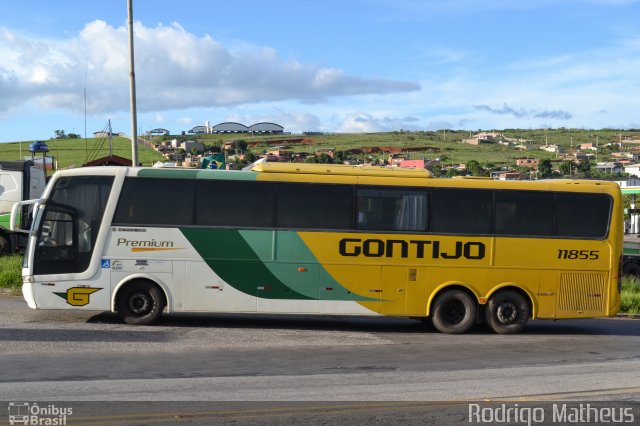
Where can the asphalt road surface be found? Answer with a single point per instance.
(243, 369)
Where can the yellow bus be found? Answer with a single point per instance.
(325, 239)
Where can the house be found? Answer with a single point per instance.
(281, 153)
(590, 146)
(396, 159)
(625, 154)
(416, 164)
(583, 156)
(633, 169)
(483, 138)
(530, 163)
(550, 148)
(478, 141)
(113, 160)
(512, 176)
(609, 167)
(329, 151)
(188, 146)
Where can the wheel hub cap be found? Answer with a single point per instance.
(507, 313)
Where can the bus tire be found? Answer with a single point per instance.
(454, 312)
(507, 312)
(140, 303)
(5, 245)
(631, 268)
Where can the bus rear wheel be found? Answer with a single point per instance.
(507, 312)
(632, 269)
(5, 245)
(454, 312)
(140, 303)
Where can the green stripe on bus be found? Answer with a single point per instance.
(293, 254)
(229, 256)
(4, 220)
(245, 260)
(179, 173)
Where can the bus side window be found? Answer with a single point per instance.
(391, 209)
(524, 213)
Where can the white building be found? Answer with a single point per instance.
(609, 167)
(189, 145)
(633, 169)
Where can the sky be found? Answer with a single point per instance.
(345, 66)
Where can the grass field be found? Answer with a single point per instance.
(10, 272)
(447, 145)
(71, 153)
(630, 296)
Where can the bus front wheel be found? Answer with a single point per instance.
(507, 312)
(140, 303)
(454, 312)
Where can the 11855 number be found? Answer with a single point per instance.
(578, 254)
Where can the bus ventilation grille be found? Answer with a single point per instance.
(582, 292)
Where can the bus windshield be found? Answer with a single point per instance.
(69, 224)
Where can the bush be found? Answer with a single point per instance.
(630, 295)
(10, 271)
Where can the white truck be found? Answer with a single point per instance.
(631, 256)
(631, 248)
(19, 180)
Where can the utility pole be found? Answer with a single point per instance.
(132, 91)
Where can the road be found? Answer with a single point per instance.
(280, 368)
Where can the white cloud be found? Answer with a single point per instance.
(174, 70)
(362, 122)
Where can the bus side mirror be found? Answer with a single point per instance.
(16, 215)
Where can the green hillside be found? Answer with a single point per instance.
(437, 144)
(422, 144)
(75, 152)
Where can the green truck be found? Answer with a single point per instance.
(19, 181)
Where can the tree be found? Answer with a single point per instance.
(240, 145)
(452, 172)
(324, 158)
(585, 167)
(566, 168)
(544, 169)
(60, 134)
(474, 168)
